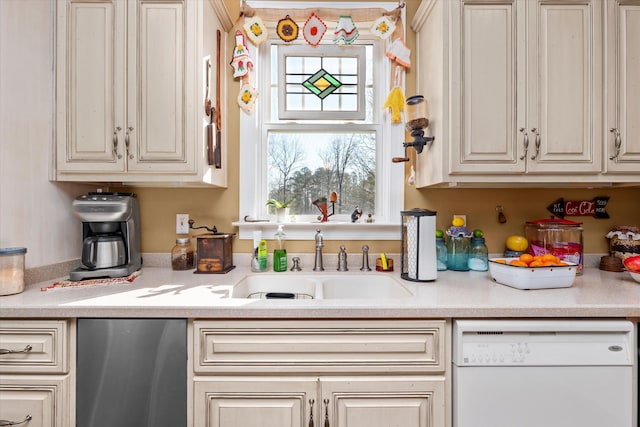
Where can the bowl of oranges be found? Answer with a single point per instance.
(533, 272)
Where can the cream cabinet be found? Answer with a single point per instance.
(130, 88)
(515, 90)
(623, 88)
(344, 373)
(35, 378)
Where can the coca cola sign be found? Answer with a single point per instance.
(595, 208)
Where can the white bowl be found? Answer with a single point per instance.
(532, 277)
(636, 276)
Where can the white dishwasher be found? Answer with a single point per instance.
(543, 373)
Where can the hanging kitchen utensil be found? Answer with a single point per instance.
(217, 153)
(210, 154)
(207, 99)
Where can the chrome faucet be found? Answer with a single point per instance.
(365, 258)
(319, 244)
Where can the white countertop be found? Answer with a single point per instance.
(161, 292)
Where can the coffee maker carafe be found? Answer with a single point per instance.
(110, 235)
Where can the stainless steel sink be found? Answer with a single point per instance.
(319, 286)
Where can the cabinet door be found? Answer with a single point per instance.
(564, 116)
(251, 401)
(90, 86)
(159, 76)
(623, 69)
(383, 402)
(38, 401)
(491, 70)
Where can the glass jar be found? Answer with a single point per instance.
(478, 255)
(183, 256)
(458, 253)
(441, 253)
(12, 270)
(415, 113)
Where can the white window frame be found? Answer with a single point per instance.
(253, 156)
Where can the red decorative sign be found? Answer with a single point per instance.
(595, 208)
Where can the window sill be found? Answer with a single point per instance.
(330, 230)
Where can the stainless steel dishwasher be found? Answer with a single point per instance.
(131, 373)
(543, 373)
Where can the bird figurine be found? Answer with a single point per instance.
(357, 213)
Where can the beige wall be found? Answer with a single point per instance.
(220, 206)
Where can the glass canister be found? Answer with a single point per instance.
(559, 237)
(183, 255)
(416, 113)
(12, 270)
(458, 253)
(441, 253)
(478, 255)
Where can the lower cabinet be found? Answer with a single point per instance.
(323, 401)
(35, 401)
(321, 373)
(35, 374)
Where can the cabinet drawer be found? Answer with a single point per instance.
(33, 346)
(40, 397)
(319, 346)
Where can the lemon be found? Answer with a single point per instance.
(517, 243)
(457, 222)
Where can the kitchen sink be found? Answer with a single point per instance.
(319, 286)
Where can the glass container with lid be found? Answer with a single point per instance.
(560, 237)
(183, 255)
(416, 113)
(12, 270)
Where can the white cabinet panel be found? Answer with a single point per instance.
(38, 399)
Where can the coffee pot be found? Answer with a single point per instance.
(110, 235)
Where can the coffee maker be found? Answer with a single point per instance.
(110, 235)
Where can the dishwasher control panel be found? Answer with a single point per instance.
(542, 343)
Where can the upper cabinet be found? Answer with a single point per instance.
(131, 84)
(623, 87)
(515, 90)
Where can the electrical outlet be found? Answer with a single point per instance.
(182, 223)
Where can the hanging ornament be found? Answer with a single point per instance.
(314, 29)
(383, 27)
(247, 97)
(287, 29)
(241, 61)
(399, 52)
(256, 30)
(346, 31)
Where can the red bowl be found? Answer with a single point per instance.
(633, 263)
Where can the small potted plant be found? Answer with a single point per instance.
(282, 209)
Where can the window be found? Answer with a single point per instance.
(318, 127)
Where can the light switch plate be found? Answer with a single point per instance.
(182, 223)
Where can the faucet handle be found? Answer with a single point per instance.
(296, 264)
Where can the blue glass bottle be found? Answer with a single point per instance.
(441, 253)
(458, 253)
(478, 255)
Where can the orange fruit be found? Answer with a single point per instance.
(501, 261)
(526, 258)
(550, 258)
(536, 263)
(518, 263)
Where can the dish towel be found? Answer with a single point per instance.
(92, 282)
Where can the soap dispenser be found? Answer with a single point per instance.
(280, 253)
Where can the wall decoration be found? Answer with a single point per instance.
(395, 102)
(383, 27)
(314, 29)
(595, 208)
(346, 31)
(399, 52)
(241, 61)
(256, 30)
(247, 97)
(287, 29)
